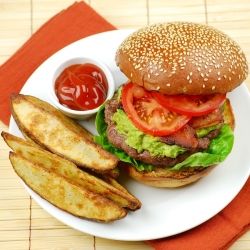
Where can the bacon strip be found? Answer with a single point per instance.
(185, 137)
(213, 118)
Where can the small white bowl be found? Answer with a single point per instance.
(75, 114)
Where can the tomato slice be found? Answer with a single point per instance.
(195, 105)
(147, 114)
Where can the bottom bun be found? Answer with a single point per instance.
(160, 177)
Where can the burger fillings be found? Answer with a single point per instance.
(172, 123)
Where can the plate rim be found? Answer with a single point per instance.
(109, 33)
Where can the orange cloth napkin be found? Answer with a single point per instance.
(72, 24)
(218, 233)
(76, 22)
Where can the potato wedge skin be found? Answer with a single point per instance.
(115, 172)
(67, 121)
(47, 128)
(69, 197)
(70, 171)
(112, 181)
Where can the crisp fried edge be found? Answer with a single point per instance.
(109, 179)
(67, 121)
(15, 98)
(100, 202)
(116, 193)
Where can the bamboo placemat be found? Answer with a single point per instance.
(23, 224)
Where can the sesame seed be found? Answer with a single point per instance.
(164, 47)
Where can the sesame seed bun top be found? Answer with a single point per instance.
(182, 58)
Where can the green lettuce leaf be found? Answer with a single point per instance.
(219, 148)
(102, 140)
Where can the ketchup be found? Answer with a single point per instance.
(82, 87)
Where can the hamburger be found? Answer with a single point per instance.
(171, 123)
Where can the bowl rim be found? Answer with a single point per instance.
(81, 59)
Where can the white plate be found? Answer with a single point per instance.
(164, 212)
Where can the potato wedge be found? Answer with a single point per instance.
(114, 172)
(70, 171)
(28, 139)
(64, 194)
(66, 120)
(42, 123)
(113, 182)
(75, 126)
